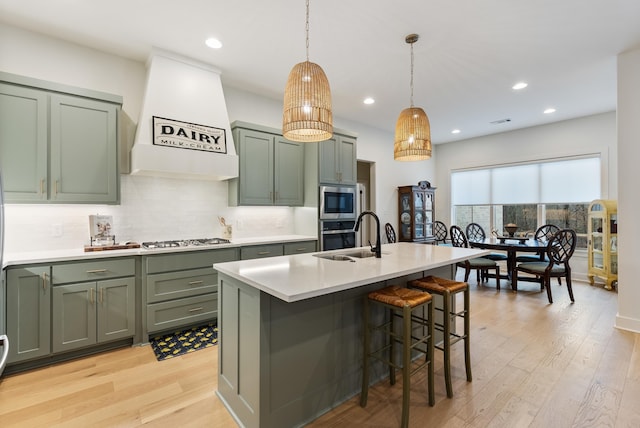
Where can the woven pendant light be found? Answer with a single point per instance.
(307, 115)
(412, 140)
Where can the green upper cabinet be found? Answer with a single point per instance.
(288, 176)
(57, 146)
(23, 143)
(338, 160)
(270, 169)
(83, 150)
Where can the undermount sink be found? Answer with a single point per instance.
(339, 257)
(347, 256)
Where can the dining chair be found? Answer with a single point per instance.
(440, 232)
(559, 251)
(481, 265)
(544, 234)
(391, 234)
(475, 232)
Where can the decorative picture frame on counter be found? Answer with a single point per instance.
(101, 230)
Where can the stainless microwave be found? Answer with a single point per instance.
(338, 202)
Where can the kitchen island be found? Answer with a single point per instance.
(290, 345)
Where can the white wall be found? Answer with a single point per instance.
(155, 208)
(629, 199)
(374, 145)
(151, 208)
(30, 54)
(586, 135)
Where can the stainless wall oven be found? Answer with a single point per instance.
(338, 202)
(337, 234)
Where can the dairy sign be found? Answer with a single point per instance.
(190, 136)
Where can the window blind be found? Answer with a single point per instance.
(561, 181)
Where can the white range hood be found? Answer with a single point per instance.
(184, 90)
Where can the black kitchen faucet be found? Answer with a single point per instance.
(377, 248)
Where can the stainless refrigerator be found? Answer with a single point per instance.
(4, 340)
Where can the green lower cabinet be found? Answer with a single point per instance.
(29, 312)
(261, 251)
(181, 289)
(301, 247)
(90, 313)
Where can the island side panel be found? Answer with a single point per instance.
(314, 357)
(239, 357)
(302, 358)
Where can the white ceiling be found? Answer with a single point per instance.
(469, 54)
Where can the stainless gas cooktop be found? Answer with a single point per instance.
(185, 243)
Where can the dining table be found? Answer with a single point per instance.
(512, 246)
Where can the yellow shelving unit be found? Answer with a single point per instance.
(603, 242)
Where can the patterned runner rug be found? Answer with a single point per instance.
(185, 341)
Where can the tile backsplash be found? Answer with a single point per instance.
(151, 208)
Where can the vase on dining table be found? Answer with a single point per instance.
(511, 229)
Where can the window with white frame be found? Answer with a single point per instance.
(529, 195)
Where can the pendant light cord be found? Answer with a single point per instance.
(411, 84)
(307, 30)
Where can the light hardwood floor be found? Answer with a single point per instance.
(534, 365)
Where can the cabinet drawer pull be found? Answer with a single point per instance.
(196, 309)
(195, 282)
(97, 271)
(301, 249)
(262, 253)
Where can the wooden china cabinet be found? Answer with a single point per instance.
(416, 206)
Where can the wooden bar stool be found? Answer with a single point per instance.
(447, 288)
(400, 302)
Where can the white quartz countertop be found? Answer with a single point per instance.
(48, 256)
(303, 276)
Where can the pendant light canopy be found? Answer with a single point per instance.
(307, 115)
(413, 133)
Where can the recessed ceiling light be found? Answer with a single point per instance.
(520, 85)
(369, 100)
(455, 131)
(549, 110)
(213, 43)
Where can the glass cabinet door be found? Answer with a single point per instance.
(596, 243)
(418, 221)
(405, 216)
